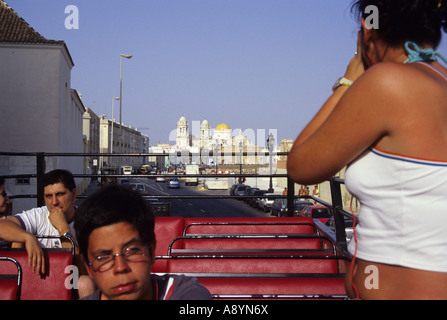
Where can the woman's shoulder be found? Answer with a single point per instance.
(388, 71)
(388, 80)
(396, 73)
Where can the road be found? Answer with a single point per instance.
(199, 207)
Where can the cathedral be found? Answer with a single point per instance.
(200, 138)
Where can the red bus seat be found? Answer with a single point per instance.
(248, 220)
(248, 225)
(261, 241)
(274, 287)
(303, 264)
(10, 284)
(49, 286)
(247, 228)
(166, 229)
(251, 252)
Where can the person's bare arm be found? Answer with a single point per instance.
(360, 119)
(11, 231)
(354, 70)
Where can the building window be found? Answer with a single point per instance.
(23, 181)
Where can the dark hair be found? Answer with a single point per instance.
(110, 205)
(400, 21)
(2, 181)
(59, 176)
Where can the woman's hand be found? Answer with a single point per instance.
(356, 68)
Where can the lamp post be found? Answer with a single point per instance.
(113, 123)
(241, 145)
(271, 145)
(127, 56)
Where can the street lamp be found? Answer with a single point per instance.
(113, 123)
(271, 145)
(127, 56)
(241, 145)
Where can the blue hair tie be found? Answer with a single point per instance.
(421, 55)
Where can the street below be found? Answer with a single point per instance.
(189, 208)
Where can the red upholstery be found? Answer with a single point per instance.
(240, 266)
(273, 286)
(247, 252)
(166, 229)
(248, 220)
(251, 265)
(50, 286)
(253, 243)
(10, 283)
(248, 228)
(248, 225)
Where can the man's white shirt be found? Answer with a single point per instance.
(36, 221)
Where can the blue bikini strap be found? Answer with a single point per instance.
(415, 54)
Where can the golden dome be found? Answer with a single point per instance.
(223, 126)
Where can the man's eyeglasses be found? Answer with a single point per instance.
(4, 194)
(134, 253)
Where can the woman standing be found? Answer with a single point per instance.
(387, 121)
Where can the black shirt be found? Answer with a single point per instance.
(169, 287)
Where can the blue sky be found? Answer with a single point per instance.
(252, 64)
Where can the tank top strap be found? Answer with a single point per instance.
(434, 69)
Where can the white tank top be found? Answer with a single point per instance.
(403, 214)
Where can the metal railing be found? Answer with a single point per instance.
(335, 183)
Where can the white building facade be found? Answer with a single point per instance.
(40, 111)
(114, 138)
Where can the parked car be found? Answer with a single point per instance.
(249, 192)
(139, 187)
(233, 188)
(300, 205)
(265, 202)
(348, 227)
(279, 207)
(317, 212)
(124, 181)
(239, 190)
(254, 201)
(173, 183)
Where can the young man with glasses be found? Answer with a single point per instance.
(115, 232)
